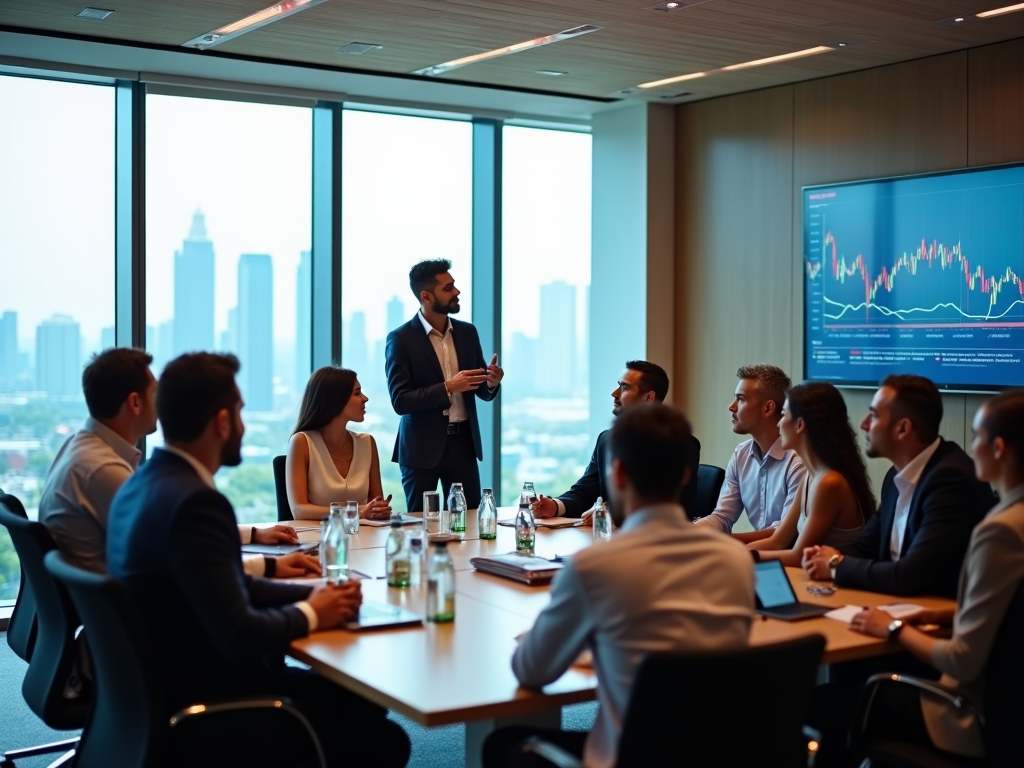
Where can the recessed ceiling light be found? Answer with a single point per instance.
(970, 18)
(249, 23)
(674, 5)
(440, 69)
(757, 62)
(358, 49)
(93, 14)
(550, 72)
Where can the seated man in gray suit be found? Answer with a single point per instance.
(620, 598)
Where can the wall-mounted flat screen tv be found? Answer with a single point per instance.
(918, 274)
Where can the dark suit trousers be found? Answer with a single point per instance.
(352, 731)
(458, 465)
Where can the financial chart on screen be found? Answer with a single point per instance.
(918, 275)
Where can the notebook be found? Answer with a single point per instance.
(775, 596)
(277, 550)
(380, 616)
(527, 569)
(547, 522)
(406, 520)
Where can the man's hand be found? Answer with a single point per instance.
(294, 565)
(465, 381)
(336, 603)
(544, 507)
(815, 562)
(494, 373)
(872, 621)
(587, 518)
(375, 509)
(942, 617)
(278, 534)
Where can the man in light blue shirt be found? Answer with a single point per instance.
(761, 477)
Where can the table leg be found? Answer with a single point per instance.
(478, 730)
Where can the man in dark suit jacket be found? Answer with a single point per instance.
(436, 371)
(173, 542)
(931, 501)
(643, 382)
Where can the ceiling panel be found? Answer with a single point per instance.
(636, 45)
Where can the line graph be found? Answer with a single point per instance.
(948, 259)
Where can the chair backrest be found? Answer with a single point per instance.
(1004, 683)
(55, 651)
(22, 626)
(128, 726)
(709, 485)
(663, 728)
(284, 511)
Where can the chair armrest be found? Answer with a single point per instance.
(279, 704)
(551, 753)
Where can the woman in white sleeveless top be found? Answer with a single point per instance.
(326, 462)
(835, 496)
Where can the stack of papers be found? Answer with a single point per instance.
(896, 610)
(547, 522)
(527, 569)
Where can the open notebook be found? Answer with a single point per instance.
(548, 522)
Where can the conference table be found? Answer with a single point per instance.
(460, 672)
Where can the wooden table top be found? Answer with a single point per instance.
(457, 672)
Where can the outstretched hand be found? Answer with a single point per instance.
(494, 373)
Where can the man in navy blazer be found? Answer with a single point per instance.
(436, 371)
(173, 541)
(931, 501)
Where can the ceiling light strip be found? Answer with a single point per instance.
(249, 23)
(1000, 11)
(557, 37)
(746, 65)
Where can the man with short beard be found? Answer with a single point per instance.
(435, 366)
(172, 541)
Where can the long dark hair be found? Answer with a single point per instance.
(831, 436)
(327, 393)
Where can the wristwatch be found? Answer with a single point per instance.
(895, 627)
(832, 563)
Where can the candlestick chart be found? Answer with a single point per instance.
(920, 274)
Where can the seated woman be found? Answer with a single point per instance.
(326, 462)
(835, 496)
(992, 572)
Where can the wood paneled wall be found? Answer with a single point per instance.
(740, 164)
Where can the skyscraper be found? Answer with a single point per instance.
(8, 346)
(396, 314)
(557, 358)
(303, 321)
(356, 352)
(256, 330)
(59, 357)
(193, 291)
(107, 336)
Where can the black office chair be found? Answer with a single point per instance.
(709, 485)
(129, 727)
(284, 510)
(54, 650)
(661, 729)
(1001, 718)
(21, 627)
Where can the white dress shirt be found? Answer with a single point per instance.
(764, 485)
(86, 473)
(248, 564)
(906, 483)
(659, 584)
(444, 348)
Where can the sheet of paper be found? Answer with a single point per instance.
(896, 610)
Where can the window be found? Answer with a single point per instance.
(228, 223)
(407, 190)
(57, 289)
(545, 309)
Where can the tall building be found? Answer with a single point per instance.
(160, 344)
(59, 357)
(256, 330)
(303, 321)
(193, 291)
(107, 337)
(557, 343)
(396, 314)
(8, 346)
(356, 351)
(229, 337)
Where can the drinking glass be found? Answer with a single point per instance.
(432, 513)
(350, 517)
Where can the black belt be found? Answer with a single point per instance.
(454, 427)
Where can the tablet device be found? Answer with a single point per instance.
(381, 616)
(277, 550)
(775, 596)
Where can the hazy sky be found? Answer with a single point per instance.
(407, 194)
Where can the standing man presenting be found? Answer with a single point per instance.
(436, 370)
